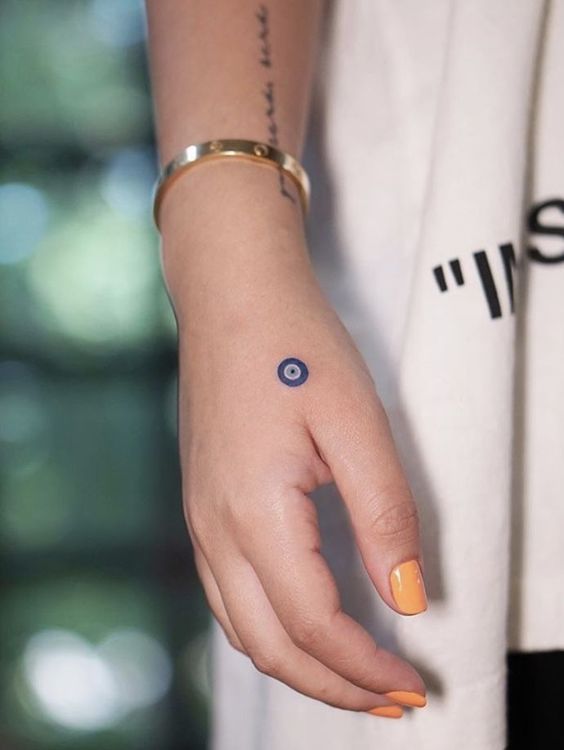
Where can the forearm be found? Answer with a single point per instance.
(232, 68)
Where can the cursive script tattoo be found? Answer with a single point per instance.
(268, 92)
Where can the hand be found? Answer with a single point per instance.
(252, 448)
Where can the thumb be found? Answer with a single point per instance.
(356, 442)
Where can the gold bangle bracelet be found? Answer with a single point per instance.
(234, 147)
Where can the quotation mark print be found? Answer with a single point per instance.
(483, 268)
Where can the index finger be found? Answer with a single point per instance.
(303, 593)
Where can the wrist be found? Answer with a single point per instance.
(221, 195)
(227, 237)
(231, 286)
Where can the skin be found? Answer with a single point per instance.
(236, 265)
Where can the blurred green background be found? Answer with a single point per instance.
(103, 624)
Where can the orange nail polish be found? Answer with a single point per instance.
(390, 712)
(408, 588)
(407, 698)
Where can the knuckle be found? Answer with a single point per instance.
(266, 662)
(326, 694)
(195, 521)
(233, 641)
(398, 522)
(228, 631)
(200, 562)
(308, 633)
(240, 511)
(240, 516)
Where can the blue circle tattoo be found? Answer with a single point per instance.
(292, 371)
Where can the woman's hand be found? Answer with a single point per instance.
(252, 448)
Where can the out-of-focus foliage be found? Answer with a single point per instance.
(79, 262)
(103, 623)
(69, 73)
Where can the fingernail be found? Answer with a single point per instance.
(408, 588)
(407, 698)
(390, 712)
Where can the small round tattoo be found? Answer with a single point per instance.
(292, 371)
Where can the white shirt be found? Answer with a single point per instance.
(437, 137)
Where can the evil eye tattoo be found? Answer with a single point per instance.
(292, 371)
